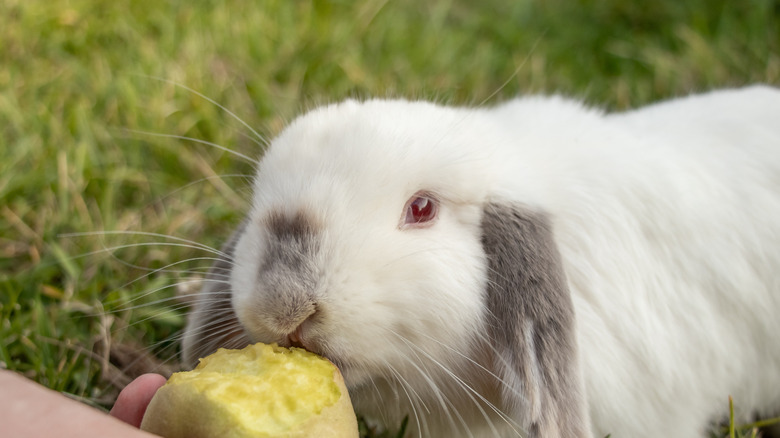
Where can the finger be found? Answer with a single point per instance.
(131, 404)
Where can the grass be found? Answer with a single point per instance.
(81, 79)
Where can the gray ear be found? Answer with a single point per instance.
(211, 322)
(532, 323)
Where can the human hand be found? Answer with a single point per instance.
(31, 410)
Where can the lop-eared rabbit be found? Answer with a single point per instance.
(538, 268)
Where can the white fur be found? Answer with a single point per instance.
(667, 219)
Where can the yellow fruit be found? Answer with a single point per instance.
(259, 391)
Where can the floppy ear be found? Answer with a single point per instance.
(211, 322)
(532, 323)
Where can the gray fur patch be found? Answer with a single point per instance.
(289, 271)
(533, 323)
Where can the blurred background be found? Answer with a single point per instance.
(108, 110)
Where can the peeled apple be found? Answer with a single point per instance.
(259, 391)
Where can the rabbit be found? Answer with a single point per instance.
(539, 268)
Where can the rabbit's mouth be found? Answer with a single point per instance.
(354, 372)
(302, 337)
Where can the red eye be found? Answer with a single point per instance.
(420, 209)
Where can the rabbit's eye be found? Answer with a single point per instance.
(420, 209)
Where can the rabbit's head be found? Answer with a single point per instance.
(386, 236)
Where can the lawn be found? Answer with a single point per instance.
(107, 113)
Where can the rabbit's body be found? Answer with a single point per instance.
(670, 239)
(584, 272)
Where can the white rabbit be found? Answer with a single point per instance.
(535, 269)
